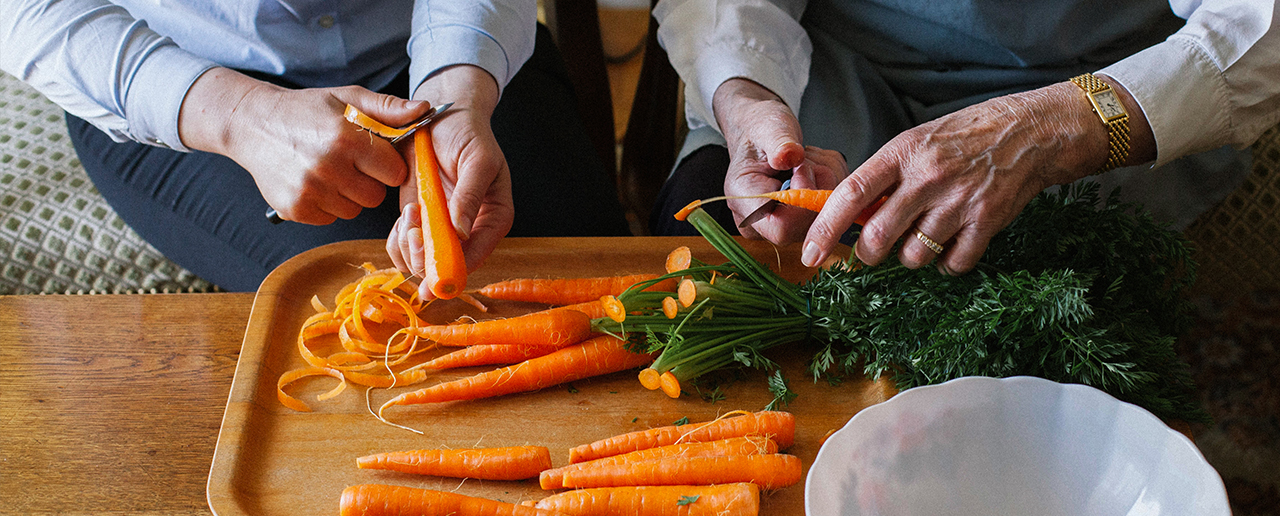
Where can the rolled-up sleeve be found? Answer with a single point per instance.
(710, 42)
(1212, 83)
(99, 63)
(496, 35)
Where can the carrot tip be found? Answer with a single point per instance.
(685, 211)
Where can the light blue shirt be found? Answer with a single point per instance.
(126, 66)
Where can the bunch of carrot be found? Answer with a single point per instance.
(717, 467)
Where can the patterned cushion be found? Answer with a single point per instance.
(1238, 241)
(57, 234)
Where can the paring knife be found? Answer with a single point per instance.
(764, 209)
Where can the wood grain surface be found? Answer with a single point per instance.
(111, 404)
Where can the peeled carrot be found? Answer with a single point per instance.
(812, 200)
(598, 356)
(510, 463)
(746, 445)
(566, 291)
(386, 500)
(769, 471)
(594, 308)
(445, 268)
(487, 354)
(545, 328)
(776, 425)
(738, 499)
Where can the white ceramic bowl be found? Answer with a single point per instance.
(1013, 446)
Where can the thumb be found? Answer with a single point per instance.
(388, 109)
(780, 143)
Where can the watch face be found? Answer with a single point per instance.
(1108, 104)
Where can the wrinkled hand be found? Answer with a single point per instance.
(474, 173)
(963, 177)
(763, 139)
(311, 164)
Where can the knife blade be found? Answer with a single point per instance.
(764, 210)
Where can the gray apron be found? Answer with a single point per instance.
(880, 67)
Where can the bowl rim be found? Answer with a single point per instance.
(1218, 486)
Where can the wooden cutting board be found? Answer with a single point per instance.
(271, 460)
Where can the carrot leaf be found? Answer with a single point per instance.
(686, 500)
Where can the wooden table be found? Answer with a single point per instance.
(112, 404)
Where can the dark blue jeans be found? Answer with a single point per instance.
(204, 211)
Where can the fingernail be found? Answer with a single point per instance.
(810, 255)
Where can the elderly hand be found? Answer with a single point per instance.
(310, 164)
(961, 178)
(474, 171)
(763, 138)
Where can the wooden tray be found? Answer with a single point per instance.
(271, 460)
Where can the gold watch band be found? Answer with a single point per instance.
(1107, 105)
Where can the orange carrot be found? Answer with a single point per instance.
(679, 259)
(566, 291)
(386, 500)
(366, 122)
(746, 445)
(510, 463)
(650, 378)
(487, 354)
(545, 328)
(770, 471)
(670, 384)
(738, 499)
(594, 308)
(687, 293)
(779, 426)
(812, 200)
(445, 268)
(669, 307)
(614, 308)
(685, 211)
(601, 355)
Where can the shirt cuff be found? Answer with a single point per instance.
(453, 45)
(712, 70)
(155, 94)
(1182, 94)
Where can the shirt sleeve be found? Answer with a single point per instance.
(98, 63)
(496, 35)
(1213, 82)
(709, 42)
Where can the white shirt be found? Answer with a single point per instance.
(1212, 83)
(126, 66)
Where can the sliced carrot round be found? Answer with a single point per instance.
(670, 308)
(670, 384)
(614, 308)
(688, 293)
(679, 259)
(649, 378)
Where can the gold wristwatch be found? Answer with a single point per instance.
(1108, 107)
